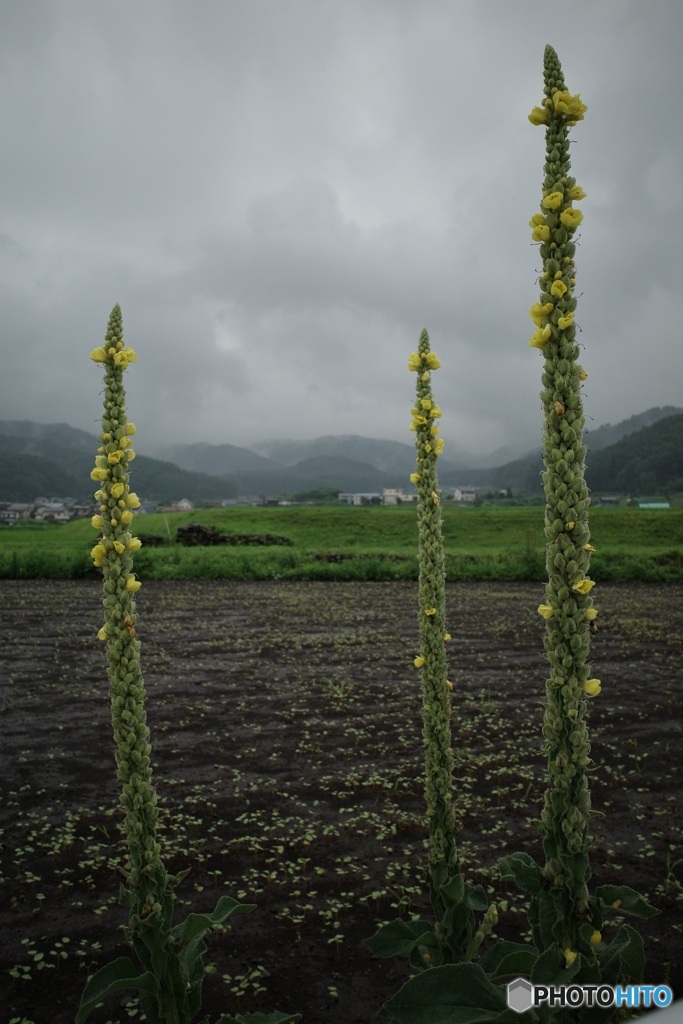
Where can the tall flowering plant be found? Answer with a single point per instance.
(566, 920)
(444, 950)
(169, 977)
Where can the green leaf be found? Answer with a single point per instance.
(506, 959)
(624, 957)
(426, 952)
(630, 902)
(522, 869)
(476, 898)
(452, 994)
(119, 974)
(547, 918)
(198, 924)
(550, 968)
(398, 937)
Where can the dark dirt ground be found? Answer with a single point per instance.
(285, 721)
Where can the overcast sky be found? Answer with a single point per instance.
(281, 193)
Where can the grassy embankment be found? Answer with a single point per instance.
(356, 544)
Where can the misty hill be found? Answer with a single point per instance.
(45, 438)
(29, 466)
(346, 462)
(311, 474)
(611, 467)
(26, 472)
(394, 457)
(645, 463)
(609, 433)
(218, 459)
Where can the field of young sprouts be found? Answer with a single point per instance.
(286, 729)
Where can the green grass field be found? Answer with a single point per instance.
(357, 544)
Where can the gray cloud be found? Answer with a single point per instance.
(280, 195)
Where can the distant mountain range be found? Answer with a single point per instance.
(642, 454)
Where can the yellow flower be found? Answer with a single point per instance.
(565, 321)
(426, 403)
(131, 454)
(438, 446)
(553, 201)
(587, 547)
(132, 584)
(134, 544)
(539, 311)
(571, 218)
(537, 220)
(126, 517)
(434, 429)
(120, 360)
(569, 957)
(449, 685)
(558, 288)
(546, 611)
(576, 193)
(130, 355)
(559, 408)
(570, 525)
(99, 355)
(130, 428)
(414, 361)
(99, 474)
(582, 374)
(591, 613)
(447, 637)
(117, 490)
(119, 547)
(132, 501)
(126, 442)
(96, 522)
(415, 478)
(114, 458)
(425, 376)
(435, 497)
(583, 586)
(541, 337)
(419, 661)
(576, 108)
(427, 447)
(539, 115)
(435, 412)
(432, 362)
(98, 553)
(102, 634)
(420, 420)
(430, 611)
(541, 233)
(592, 688)
(570, 106)
(596, 938)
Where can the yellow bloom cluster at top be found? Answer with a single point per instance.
(427, 411)
(570, 107)
(116, 544)
(117, 355)
(419, 362)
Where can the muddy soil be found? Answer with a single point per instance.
(285, 722)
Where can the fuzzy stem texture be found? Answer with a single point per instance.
(569, 612)
(443, 857)
(145, 874)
